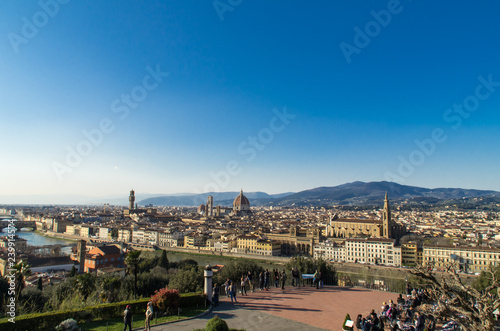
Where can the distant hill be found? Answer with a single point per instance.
(372, 193)
(356, 194)
(220, 198)
(349, 194)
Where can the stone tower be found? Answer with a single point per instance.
(80, 254)
(210, 206)
(386, 219)
(131, 200)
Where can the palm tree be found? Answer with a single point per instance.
(132, 260)
(22, 268)
(85, 284)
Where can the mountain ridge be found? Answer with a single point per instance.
(354, 193)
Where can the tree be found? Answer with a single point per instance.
(85, 284)
(110, 287)
(73, 272)
(187, 263)
(4, 290)
(163, 260)
(22, 269)
(216, 324)
(132, 260)
(484, 280)
(39, 284)
(189, 279)
(470, 308)
(166, 300)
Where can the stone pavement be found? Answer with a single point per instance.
(303, 308)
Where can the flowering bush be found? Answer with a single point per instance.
(166, 300)
(68, 325)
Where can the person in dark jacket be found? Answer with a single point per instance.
(359, 320)
(127, 318)
(215, 295)
(283, 279)
(419, 322)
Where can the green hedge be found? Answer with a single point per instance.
(48, 321)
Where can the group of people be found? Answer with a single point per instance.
(127, 317)
(265, 279)
(278, 277)
(401, 315)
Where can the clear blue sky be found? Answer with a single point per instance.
(65, 68)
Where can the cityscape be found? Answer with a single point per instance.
(383, 235)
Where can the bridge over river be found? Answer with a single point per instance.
(18, 224)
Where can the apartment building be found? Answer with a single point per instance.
(373, 250)
(268, 247)
(330, 251)
(247, 244)
(171, 239)
(411, 254)
(468, 259)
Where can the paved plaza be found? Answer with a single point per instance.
(303, 308)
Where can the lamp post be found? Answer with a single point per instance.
(208, 273)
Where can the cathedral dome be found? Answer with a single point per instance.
(241, 202)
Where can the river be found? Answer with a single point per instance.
(35, 239)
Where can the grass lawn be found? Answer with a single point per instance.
(116, 324)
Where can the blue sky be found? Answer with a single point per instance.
(66, 67)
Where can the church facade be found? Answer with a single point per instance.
(370, 228)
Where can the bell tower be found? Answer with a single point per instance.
(131, 200)
(386, 219)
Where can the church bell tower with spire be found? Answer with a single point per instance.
(386, 218)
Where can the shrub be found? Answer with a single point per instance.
(67, 325)
(166, 300)
(216, 324)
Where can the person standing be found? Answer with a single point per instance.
(149, 316)
(250, 281)
(226, 287)
(127, 318)
(267, 277)
(243, 285)
(315, 279)
(261, 280)
(283, 279)
(215, 295)
(232, 291)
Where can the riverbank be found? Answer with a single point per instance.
(64, 236)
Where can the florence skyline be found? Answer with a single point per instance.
(188, 97)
